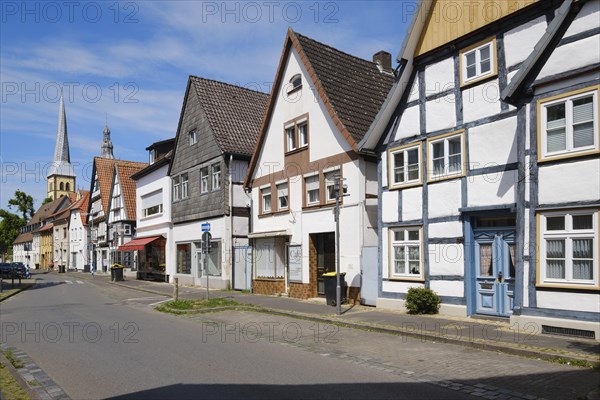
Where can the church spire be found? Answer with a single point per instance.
(61, 148)
(107, 146)
(61, 175)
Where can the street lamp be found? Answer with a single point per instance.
(340, 189)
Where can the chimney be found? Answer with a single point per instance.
(384, 60)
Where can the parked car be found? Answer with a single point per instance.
(19, 270)
(5, 270)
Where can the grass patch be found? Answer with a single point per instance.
(13, 360)
(577, 363)
(183, 306)
(7, 291)
(34, 383)
(10, 388)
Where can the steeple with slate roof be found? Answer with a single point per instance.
(107, 146)
(61, 175)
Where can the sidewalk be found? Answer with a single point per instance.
(479, 333)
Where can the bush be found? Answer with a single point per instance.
(422, 301)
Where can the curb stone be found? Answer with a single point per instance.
(47, 389)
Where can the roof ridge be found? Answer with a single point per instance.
(228, 84)
(333, 48)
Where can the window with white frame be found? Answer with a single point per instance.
(312, 190)
(290, 135)
(478, 62)
(569, 124)
(193, 137)
(176, 188)
(269, 258)
(405, 165)
(569, 247)
(295, 82)
(265, 194)
(127, 229)
(330, 178)
(282, 196)
(303, 134)
(152, 203)
(216, 176)
(296, 134)
(204, 180)
(406, 253)
(446, 157)
(184, 186)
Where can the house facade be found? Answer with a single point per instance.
(79, 232)
(153, 238)
(217, 131)
(320, 107)
(489, 166)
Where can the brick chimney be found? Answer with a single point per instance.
(384, 60)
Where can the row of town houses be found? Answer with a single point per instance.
(472, 168)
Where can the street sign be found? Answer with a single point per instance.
(206, 242)
(205, 227)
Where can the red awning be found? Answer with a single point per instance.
(138, 244)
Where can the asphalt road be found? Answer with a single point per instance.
(98, 340)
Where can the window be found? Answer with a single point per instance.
(282, 196)
(184, 186)
(406, 253)
(184, 258)
(176, 188)
(270, 258)
(204, 180)
(193, 137)
(569, 248)
(152, 204)
(569, 124)
(405, 165)
(127, 229)
(266, 199)
(312, 190)
(478, 62)
(330, 178)
(214, 259)
(295, 83)
(216, 176)
(445, 157)
(296, 134)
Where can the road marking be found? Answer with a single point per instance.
(69, 282)
(145, 298)
(80, 282)
(158, 302)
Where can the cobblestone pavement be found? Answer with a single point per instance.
(479, 373)
(36, 379)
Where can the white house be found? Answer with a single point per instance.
(320, 107)
(79, 232)
(489, 166)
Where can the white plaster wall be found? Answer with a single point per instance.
(566, 182)
(440, 113)
(492, 189)
(493, 144)
(446, 229)
(412, 203)
(409, 123)
(399, 287)
(572, 56)
(526, 266)
(444, 198)
(481, 101)
(371, 182)
(446, 259)
(150, 183)
(385, 243)
(439, 76)
(78, 243)
(414, 90)
(569, 301)
(324, 137)
(448, 288)
(384, 170)
(389, 206)
(586, 19)
(519, 42)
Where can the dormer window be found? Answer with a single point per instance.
(152, 156)
(295, 83)
(193, 137)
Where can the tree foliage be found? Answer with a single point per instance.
(10, 223)
(23, 203)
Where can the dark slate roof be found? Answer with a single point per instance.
(355, 87)
(234, 113)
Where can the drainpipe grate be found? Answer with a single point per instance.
(580, 333)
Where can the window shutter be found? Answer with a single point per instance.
(153, 199)
(312, 183)
(282, 190)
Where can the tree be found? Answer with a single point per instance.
(10, 225)
(47, 200)
(24, 204)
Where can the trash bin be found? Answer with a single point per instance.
(330, 281)
(116, 274)
(61, 269)
(86, 268)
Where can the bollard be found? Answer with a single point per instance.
(1, 284)
(176, 288)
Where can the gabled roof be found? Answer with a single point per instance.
(166, 160)
(351, 88)
(234, 113)
(45, 211)
(105, 168)
(82, 205)
(23, 238)
(125, 170)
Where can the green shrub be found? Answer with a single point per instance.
(422, 301)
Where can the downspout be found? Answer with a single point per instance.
(232, 251)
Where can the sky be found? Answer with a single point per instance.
(127, 64)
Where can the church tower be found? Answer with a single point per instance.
(107, 146)
(61, 175)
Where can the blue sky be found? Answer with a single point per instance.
(131, 60)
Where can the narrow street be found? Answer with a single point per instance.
(98, 340)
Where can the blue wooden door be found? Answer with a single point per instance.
(494, 272)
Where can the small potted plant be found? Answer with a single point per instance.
(116, 272)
